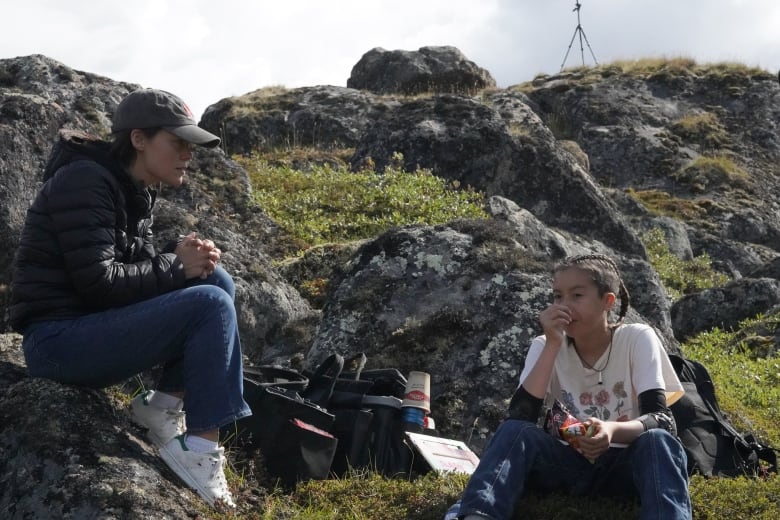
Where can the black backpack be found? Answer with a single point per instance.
(713, 446)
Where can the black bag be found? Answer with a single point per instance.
(367, 409)
(291, 432)
(713, 446)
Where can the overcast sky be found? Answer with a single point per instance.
(206, 50)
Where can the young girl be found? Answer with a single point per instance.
(616, 379)
(97, 303)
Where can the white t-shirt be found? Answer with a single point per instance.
(637, 362)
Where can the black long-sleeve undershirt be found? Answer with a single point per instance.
(526, 407)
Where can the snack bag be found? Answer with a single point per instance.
(572, 432)
(558, 417)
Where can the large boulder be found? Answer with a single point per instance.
(429, 69)
(275, 117)
(499, 146)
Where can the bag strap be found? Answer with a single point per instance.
(766, 453)
(272, 375)
(322, 381)
(355, 364)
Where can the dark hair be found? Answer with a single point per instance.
(122, 149)
(605, 274)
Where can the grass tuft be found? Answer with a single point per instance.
(707, 173)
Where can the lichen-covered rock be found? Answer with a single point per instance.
(642, 129)
(69, 452)
(499, 146)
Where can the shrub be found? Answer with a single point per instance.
(679, 276)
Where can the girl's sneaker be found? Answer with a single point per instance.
(203, 472)
(163, 424)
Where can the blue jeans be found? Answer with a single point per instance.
(522, 456)
(191, 332)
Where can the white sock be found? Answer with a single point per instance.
(200, 444)
(165, 401)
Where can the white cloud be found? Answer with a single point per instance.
(205, 51)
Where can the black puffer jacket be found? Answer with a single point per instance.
(86, 243)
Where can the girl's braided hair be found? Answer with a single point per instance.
(605, 274)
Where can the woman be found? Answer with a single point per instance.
(616, 379)
(97, 303)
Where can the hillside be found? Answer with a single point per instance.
(606, 159)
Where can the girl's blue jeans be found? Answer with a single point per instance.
(192, 333)
(523, 456)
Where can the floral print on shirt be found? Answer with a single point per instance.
(600, 404)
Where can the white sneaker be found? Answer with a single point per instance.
(163, 424)
(203, 472)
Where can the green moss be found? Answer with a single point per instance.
(314, 291)
(370, 497)
(737, 498)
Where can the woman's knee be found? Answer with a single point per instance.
(223, 280)
(209, 299)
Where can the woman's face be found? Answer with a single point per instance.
(162, 158)
(575, 289)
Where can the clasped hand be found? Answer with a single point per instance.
(594, 446)
(199, 257)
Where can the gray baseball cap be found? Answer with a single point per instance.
(151, 108)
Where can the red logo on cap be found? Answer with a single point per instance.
(187, 109)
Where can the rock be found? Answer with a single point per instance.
(769, 270)
(429, 69)
(69, 452)
(323, 117)
(723, 307)
(476, 144)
